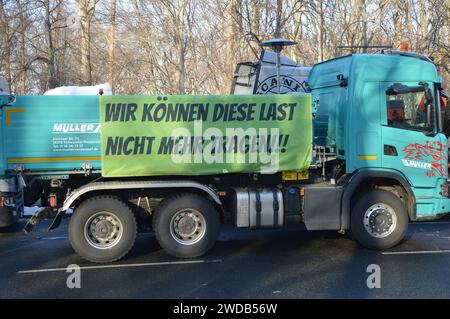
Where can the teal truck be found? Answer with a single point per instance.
(362, 152)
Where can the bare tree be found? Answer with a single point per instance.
(87, 11)
(111, 44)
(7, 36)
(50, 59)
(192, 46)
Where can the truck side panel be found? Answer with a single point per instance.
(51, 133)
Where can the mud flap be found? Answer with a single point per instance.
(35, 219)
(57, 220)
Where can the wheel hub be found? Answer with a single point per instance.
(103, 230)
(380, 220)
(187, 226)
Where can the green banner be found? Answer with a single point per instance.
(205, 134)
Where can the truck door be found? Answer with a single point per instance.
(410, 136)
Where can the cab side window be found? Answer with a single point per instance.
(409, 108)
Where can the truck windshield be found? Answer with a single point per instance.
(411, 108)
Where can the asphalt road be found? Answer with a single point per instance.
(284, 263)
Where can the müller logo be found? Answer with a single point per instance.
(288, 84)
(85, 128)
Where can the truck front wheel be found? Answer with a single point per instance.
(379, 220)
(186, 225)
(102, 229)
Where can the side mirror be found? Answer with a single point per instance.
(446, 123)
(429, 96)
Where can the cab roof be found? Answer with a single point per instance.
(381, 67)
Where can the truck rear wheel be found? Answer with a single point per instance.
(379, 220)
(102, 229)
(186, 225)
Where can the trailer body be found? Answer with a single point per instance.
(51, 133)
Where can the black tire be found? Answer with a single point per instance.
(389, 238)
(85, 212)
(188, 202)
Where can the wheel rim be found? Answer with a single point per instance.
(188, 226)
(103, 230)
(380, 220)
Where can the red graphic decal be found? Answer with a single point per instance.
(430, 152)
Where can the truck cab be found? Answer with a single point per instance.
(380, 114)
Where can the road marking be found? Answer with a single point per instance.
(415, 252)
(124, 266)
(54, 238)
